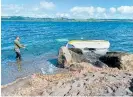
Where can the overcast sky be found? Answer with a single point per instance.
(105, 9)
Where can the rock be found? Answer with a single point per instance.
(131, 86)
(68, 57)
(62, 91)
(77, 55)
(128, 92)
(109, 90)
(100, 83)
(75, 67)
(45, 93)
(64, 57)
(127, 62)
(120, 60)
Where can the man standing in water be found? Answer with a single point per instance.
(17, 46)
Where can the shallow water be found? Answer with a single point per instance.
(43, 40)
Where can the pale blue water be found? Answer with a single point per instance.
(43, 40)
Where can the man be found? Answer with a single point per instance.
(17, 47)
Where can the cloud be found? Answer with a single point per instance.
(88, 12)
(47, 9)
(35, 8)
(47, 5)
(44, 5)
(12, 8)
(100, 10)
(79, 10)
(125, 9)
(112, 10)
(26, 10)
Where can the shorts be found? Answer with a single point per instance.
(17, 50)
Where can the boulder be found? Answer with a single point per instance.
(71, 57)
(75, 56)
(127, 62)
(66, 56)
(120, 60)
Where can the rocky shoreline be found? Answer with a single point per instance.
(89, 82)
(82, 78)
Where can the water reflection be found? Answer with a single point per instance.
(19, 63)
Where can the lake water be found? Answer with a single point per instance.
(43, 40)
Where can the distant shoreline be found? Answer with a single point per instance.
(65, 21)
(61, 19)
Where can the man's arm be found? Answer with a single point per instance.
(18, 44)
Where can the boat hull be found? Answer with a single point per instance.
(96, 46)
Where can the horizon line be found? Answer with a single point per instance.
(69, 18)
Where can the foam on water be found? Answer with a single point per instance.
(7, 48)
(81, 38)
(62, 40)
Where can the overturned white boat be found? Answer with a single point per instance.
(97, 46)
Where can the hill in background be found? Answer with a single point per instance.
(61, 19)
